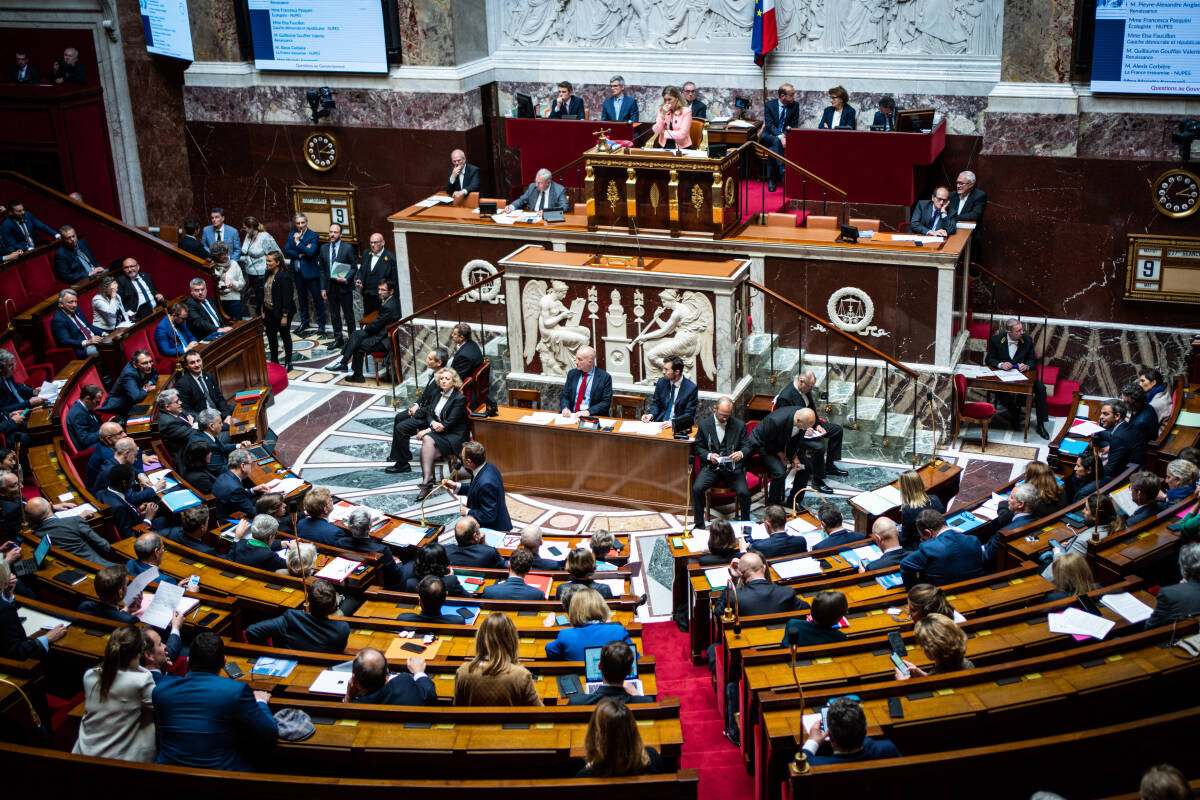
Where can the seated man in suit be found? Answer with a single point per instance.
(470, 549)
(372, 337)
(826, 446)
(531, 540)
(14, 396)
(432, 592)
(836, 534)
(616, 662)
(944, 556)
(371, 683)
(417, 416)
(208, 430)
(969, 203)
(847, 737)
(208, 721)
(779, 116)
(125, 451)
(886, 536)
(588, 389)
(148, 551)
(778, 542)
(1121, 443)
(1180, 600)
(1014, 349)
(157, 653)
(203, 313)
(296, 629)
(71, 534)
(467, 355)
(566, 104)
(71, 330)
(698, 107)
(22, 227)
(618, 107)
(315, 526)
(198, 390)
(232, 488)
(110, 584)
(485, 491)
(753, 593)
(675, 397)
(254, 549)
(514, 587)
(137, 379)
(932, 217)
(175, 428)
(778, 438)
(464, 177)
(1022, 502)
(358, 538)
(193, 524)
(83, 426)
(1143, 490)
(885, 117)
(74, 261)
(137, 291)
(542, 195)
(172, 336)
(828, 610)
(721, 436)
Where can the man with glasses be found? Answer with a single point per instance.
(619, 107)
(933, 217)
(698, 107)
(138, 293)
(970, 203)
(778, 116)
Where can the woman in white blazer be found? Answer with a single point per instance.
(118, 719)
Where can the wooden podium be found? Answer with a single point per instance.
(656, 189)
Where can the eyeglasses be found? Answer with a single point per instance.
(962, 183)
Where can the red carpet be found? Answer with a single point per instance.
(722, 776)
(756, 197)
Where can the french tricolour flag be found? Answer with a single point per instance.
(766, 34)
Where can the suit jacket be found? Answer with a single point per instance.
(69, 266)
(198, 321)
(706, 440)
(842, 539)
(128, 391)
(573, 107)
(922, 215)
(1148, 511)
(629, 111)
(193, 396)
(762, 597)
(972, 210)
(1177, 601)
(192, 245)
(599, 395)
(201, 481)
(31, 76)
(590, 583)
(75, 536)
(467, 358)
(889, 122)
(773, 434)
(909, 538)
(777, 118)
(12, 230)
(346, 255)
(891, 558)
(997, 351)
(103, 610)
(513, 588)
(685, 401)
(393, 576)
(231, 496)
(208, 238)
(402, 690)
(283, 295)
(176, 534)
(67, 334)
(385, 269)
(780, 543)
(617, 693)
(172, 340)
(14, 402)
(218, 450)
(13, 642)
(849, 117)
(83, 426)
(1126, 445)
(812, 634)
(303, 254)
(375, 332)
(485, 498)
(948, 557)
(129, 293)
(253, 553)
(318, 530)
(556, 198)
(791, 396)
(474, 555)
(175, 433)
(469, 182)
(208, 721)
(433, 619)
(699, 109)
(125, 515)
(571, 642)
(296, 629)
(871, 750)
(1145, 420)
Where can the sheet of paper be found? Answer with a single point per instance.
(799, 526)
(1083, 410)
(872, 503)
(425, 203)
(405, 535)
(503, 219)
(1189, 419)
(987, 512)
(740, 123)
(33, 622)
(286, 486)
(338, 569)
(341, 511)
(435, 199)
(890, 493)
(559, 419)
(1123, 497)
(166, 599)
(814, 538)
(1128, 606)
(1076, 622)
(77, 511)
(139, 584)
(868, 552)
(759, 531)
(909, 237)
(717, 577)
(331, 682)
(795, 567)
(617, 585)
(1085, 427)
(965, 226)
(1010, 375)
(539, 418)
(697, 542)
(511, 541)
(552, 551)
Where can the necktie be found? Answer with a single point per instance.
(25, 231)
(88, 264)
(12, 388)
(219, 231)
(336, 249)
(84, 329)
(204, 391)
(212, 314)
(582, 386)
(143, 293)
(671, 403)
(541, 201)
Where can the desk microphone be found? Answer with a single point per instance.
(641, 262)
(599, 244)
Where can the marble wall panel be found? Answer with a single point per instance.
(1038, 36)
(1031, 134)
(214, 30)
(427, 32)
(1129, 136)
(436, 263)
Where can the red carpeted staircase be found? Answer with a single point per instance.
(722, 776)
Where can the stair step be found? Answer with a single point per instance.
(869, 409)
(897, 425)
(839, 392)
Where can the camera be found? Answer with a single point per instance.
(1189, 130)
(320, 102)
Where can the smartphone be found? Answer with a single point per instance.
(412, 647)
(896, 642)
(1056, 545)
(825, 718)
(900, 665)
(1088, 604)
(233, 670)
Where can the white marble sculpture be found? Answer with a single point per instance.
(687, 332)
(552, 330)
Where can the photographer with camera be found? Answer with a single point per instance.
(721, 447)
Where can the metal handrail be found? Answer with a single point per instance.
(766, 151)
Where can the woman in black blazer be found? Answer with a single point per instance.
(722, 545)
(278, 308)
(446, 431)
(839, 101)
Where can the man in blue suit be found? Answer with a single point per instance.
(302, 246)
(886, 536)
(778, 117)
(566, 104)
(208, 721)
(254, 549)
(83, 425)
(778, 542)
(514, 587)
(137, 379)
(172, 336)
(70, 329)
(218, 231)
(21, 227)
(944, 556)
(470, 549)
(485, 491)
(1143, 490)
(232, 487)
(208, 431)
(74, 261)
(14, 396)
(675, 397)
(370, 682)
(619, 107)
(885, 117)
(594, 396)
(1021, 502)
(933, 217)
(835, 534)
(1125, 444)
(313, 630)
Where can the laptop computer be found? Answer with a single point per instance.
(591, 669)
(28, 566)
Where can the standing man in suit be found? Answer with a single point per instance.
(22, 227)
(301, 248)
(71, 330)
(886, 536)
(485, 491)
(172, 336)
(1180, 600)
(83, 425)
(932, 217)
(800, 393)
(566, 104)
(339, 272)
(698, 108)
(969, 203)
(372, 336)
(885, 117)
(618, 107)
(74, 261)
(137, 290)
(464, 177)
(218, 231)
(542, 195)
(675, 397)
(1013, 349)
(416, 416)
(588, 389)
(23, 71)
(944, 556)
(777, 438)
(778, 542)
(137, 379)
(204, 315)
(721, 436)
(208, 721)
(377, 266)
(778, 117)
(370, 683)
(189, 242)
(198, 390)
(514, 587)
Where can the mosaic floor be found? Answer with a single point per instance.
(338, 434)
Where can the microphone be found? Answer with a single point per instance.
(596, 259)
(641, 262)
(799, 765)
(792, 635)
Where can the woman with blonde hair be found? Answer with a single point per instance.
(613, 745)
(914, 500)
(495, 676)
(256, 243)
(118, 718)
(1072, 576)
(1050, 492)
(673, 124)
(447, 427)
(108, 311)
(591, 626)
(943, 643)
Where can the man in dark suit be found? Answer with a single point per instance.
(232, 488)
(377, 266)
(828, 610)
(68, 69)
(23, 71)
(847, 737)
(464, 177)
(514, 587)
(189, 242)
(203, 315)
(416, 416)
(826, 448)
(373, 336)
(531, 540)
(137, 291)
(208, 431)
(210, 722)
(301, 248)
(566, 104)
(616, 662)
(1125, 443)
(778, 117)
(836, 534)
(1141, 414)
(542, 195)
(886, 536)
(944, 556)
(1143, 490)
(198, 389)
(359, 540)
(721, 436)
(193, 524)
(485, 491)
(1022, 502)
(83, 425)
(885, 117)
(1014, 349)
(675, 397)
(1180, 600)
(74, 261)
(14, 396)
(588, 389)
(778, 438)
(315, 525)
(470, 549)
(71, 330)
(313, 630)
(71, 534)
(110, 586)
(22, 227)
(432, 592)
(175, 426)
(618, 107)
(755, 593)
(137, 379)
(370, 682)
(254, 549)
(932, 217)
(698, 108)
(778, 542)
(969, 203)
(467, 355)
(339, 272)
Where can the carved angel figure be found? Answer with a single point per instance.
(551, 329)
(687, 333)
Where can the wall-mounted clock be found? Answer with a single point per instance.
(321, 151)
(1176, 193)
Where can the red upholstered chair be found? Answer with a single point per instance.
(980, 413)
(33, 375)
(58, 357)
(38, 276)
(720, 494)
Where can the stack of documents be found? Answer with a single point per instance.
(641, 428)
(1128, 606)
(878, 502)
(338, 569)
(406, 534)
(1075, 622)
(1084, 427)
(539, 418)
(795, 567)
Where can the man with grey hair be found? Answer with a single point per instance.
(232, 487)
(148, 551)
(74, 261)
(204, 318)
(126, 451)
(137, 290)
(531, 540)
(208, 424)
(255, 550)
(618, 107)
(698, 107)
(175, 427)
(69, 70)
(1180, 600)
(969, 203)
(70, 329)
(1013, 349)
(301, 248)
(15, 396)
(358, 524)
(1021, 503)
(602, 543)
(542, 195)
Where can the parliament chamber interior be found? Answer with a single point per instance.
(743, 399)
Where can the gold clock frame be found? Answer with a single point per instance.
(336, 150)
(1166, 212)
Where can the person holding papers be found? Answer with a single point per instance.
(825, 444)
(1013, 349)
(675, 396)
(673, 122)
(484, 492)
(110, 585)
(125, 513)
(339, 271)
(542, 195)
(1180, 600)
(720, 445)
(371, 683)
(296, 629)
(588, 389)
(591, 626)
(118, 718)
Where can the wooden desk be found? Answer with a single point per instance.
(994, 384)
(940, 479)
(563, 462)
